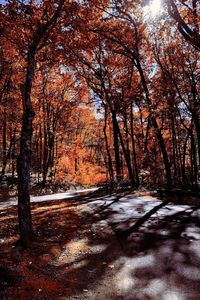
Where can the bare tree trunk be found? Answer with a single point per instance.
(126, 155)
(194, 168)
(4, 137)
(110, 166)
(24, 159)
(197, 127)
(116, 147)
(174, 157)
(13, 154)
(155, 125)
(40, 153)
(133, 148)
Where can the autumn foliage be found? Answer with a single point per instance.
(114, 94)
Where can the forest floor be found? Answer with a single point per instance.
(77, 255)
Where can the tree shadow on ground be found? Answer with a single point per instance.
(76, 256)
(173, 265)
(71, 251)
(162, 256)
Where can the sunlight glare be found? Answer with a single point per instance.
(155, 6)
(153, 9)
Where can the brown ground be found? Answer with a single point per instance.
(71, 257)
(76, 255)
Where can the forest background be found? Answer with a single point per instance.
(99, 91)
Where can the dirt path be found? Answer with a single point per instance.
(71, 258)
(160, 260)
(76, 254)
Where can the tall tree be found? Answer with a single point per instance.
(36, 22)
(186, 15)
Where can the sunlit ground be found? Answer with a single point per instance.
(77, 256)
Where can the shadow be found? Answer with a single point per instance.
(76, 255)
(169, 257)
(161, 255)
(141, 221)
(6, 194)
(70, 253)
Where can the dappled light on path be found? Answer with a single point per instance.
(76, 254)
(162, 259)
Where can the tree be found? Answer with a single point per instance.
(36, 23)
(186, 15)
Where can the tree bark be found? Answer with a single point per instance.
(4, 137)
(126, 153)
(116, 146)
(197, 127)
(137, 182)
(24, 158)
(110, 166)
(155, 125)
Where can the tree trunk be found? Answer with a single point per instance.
(40, 153)
(194, 167)
(13, 154)
(127, 156)
(133, 148)
(174, 156)
(116, 147)
(4, 137)
(155, 125)
(163, 151)
(24, 159)
(110, 166)
(197, 127)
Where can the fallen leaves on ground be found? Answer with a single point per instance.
(44, 271)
